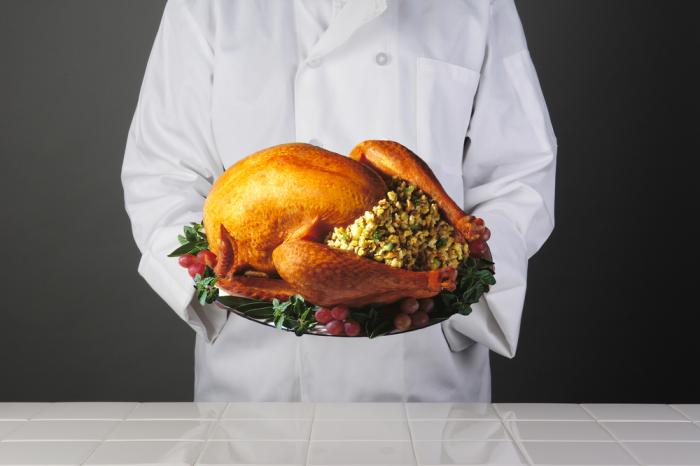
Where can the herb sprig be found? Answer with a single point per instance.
(193, 241)
(207, 291)
(376, 319)
(294, 314)
(474, 278)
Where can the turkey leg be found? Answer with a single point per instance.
(327, 276)
(251, 287)
(390, 158)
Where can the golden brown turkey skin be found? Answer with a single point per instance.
(270, 212)
(265, 197)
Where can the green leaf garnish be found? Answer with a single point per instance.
(207, 291)
(474, 278)
(293, 314)
(193, 241)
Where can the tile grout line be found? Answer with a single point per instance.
(680, 412)
(512, 438)
(311, 430)
(32, 417)
(18, 421)
(411, 437)
(641, 420)
(101, 442)
(136, 405)
(210, 432)
(610, 432)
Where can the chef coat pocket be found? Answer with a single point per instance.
(444, 99)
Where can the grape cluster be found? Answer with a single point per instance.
(337, 321)
(408, 313)
(195, 264)
(413, 313)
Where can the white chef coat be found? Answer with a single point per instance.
(321, 11)
(452, 80)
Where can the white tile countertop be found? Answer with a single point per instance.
(348, 434)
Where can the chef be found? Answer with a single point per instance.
(452, 80)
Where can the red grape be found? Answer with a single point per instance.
(409, 305)
(206, 257)
(402, 321)
(340, 312)
(323, 315)
(419, 319)
(335, 327)
(352, 328)
(486, 234)
(195, 269)
(426, 305)
(186, 260)
(477, 247)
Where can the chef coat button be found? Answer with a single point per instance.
(315, 142)
(381, 59)
(315, 63)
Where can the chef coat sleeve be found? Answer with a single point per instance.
(170, 161)
(508, 172)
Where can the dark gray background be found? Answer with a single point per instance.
(605, 318)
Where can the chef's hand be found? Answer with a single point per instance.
(475, 226)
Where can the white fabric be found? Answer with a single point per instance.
(321, 11)
(225, 79)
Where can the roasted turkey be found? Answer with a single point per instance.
(267, 215)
